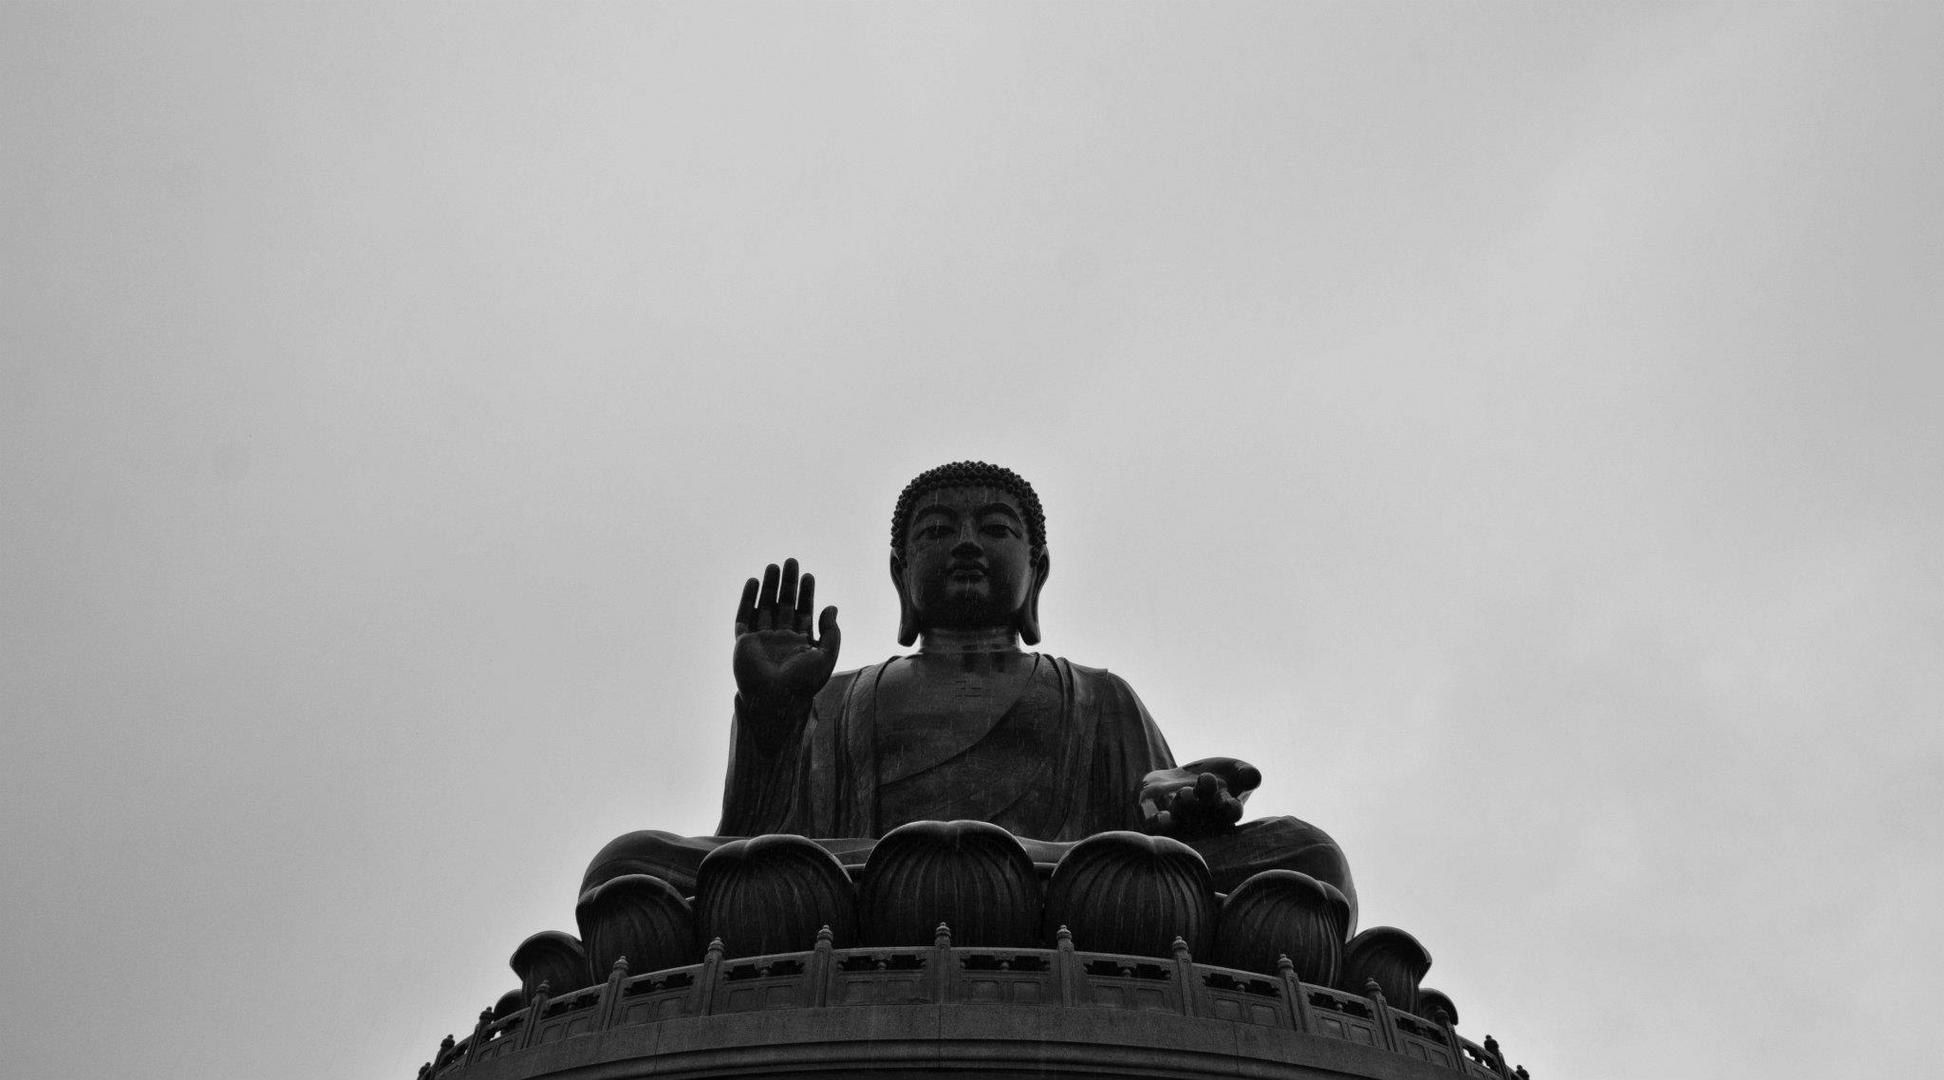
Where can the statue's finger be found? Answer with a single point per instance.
(746, 610)
(1239, 776)
(786, 595)
(766, 602)
(829, 637)
(806, 603)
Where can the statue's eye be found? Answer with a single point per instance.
(998, 531)
(935, 532)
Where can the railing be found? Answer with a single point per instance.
(827, 977)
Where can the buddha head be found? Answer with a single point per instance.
(968, 552)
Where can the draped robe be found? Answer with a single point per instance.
(1063, 762)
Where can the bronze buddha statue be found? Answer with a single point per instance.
(971, 726)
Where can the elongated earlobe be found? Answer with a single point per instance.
(1029, 628)
(907, 615)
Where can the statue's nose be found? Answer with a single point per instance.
(968, 548)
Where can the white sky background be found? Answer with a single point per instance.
(1514, 429)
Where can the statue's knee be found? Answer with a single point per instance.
(1278, 843)
(647, 851)
(1303, 847)
(1287, 831)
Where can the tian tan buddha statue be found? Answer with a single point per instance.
(969, 727)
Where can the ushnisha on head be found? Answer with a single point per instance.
(968, 553)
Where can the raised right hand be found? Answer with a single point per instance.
(779, 666)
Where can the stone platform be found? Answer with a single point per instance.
(944, 1011)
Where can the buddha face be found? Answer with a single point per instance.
(968, 563)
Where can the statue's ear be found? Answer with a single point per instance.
(1029, 628)
(907, 615)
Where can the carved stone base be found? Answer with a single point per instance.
(994, 1042)
(946, 1011)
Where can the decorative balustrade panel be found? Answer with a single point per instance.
(1245, 1000)
(499, 1040)
(663, 995)
(1343, 1016)
(881, 978)
(567, 1003)
(1018, 978)
(827, 977)
(1424, 1041)
(763, 983)
(1477, 1061)
(555, 1029)
(1126, 982)
(565, 1016)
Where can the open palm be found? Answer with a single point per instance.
(779, 665)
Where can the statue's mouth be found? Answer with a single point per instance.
(967, 571)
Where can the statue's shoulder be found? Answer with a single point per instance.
(841, 682)
(1085, 671)
(1097, 679)
(869, 671)
(838, 689)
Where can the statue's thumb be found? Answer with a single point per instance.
(828, 636)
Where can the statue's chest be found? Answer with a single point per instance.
(930, 717)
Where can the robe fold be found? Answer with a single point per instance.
(1064, 762)
(823, 779)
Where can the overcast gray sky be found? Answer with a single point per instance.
(1515, 428)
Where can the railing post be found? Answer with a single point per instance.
(705, 983)
(1065, 967)
(1185, 977)
(1385, 1024)
(1457, 1046)
(941, 963)
(1293, 990)
(610, 1007)
(1498, 1058)
(816, 983)
(478, 1035)
(444, 1057)
(1442, 1017)
(530, 1026)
